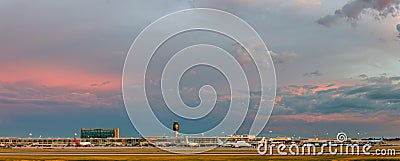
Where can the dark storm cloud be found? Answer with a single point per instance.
(314, 73)
(358, 90)
(280, 58)
(101, 84)
(394, 78)
(330, 85)
(378, 94)
(383, 74)
(319, 109)
(363, 76)
(379, 80)
(105, 83)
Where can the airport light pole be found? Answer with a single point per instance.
(315, 137)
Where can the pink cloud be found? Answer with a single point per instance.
(295, 91)
(43, 74)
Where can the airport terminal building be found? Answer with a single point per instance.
(99, 133)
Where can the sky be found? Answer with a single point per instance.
(337, 63)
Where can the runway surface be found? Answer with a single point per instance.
(138, 154)
(116, 154)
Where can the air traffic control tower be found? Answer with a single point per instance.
(175, 127)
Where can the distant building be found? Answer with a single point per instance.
(99, 133)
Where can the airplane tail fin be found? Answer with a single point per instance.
(77, 142)
(220, 142)
(187, 140)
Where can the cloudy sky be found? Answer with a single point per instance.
(337, 63)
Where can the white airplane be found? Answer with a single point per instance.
(236, 144)
(239, 144)
(191, 144)
(161, 143)
(376, 141)
(80, 144)
(117, 144)
(225, 144)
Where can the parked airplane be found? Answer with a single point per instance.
(80, 144)
(236, 144)
(376, 141)
(224, 144)
(116, 144)
(161, 143)
(239, 144)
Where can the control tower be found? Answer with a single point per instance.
(175, 127)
